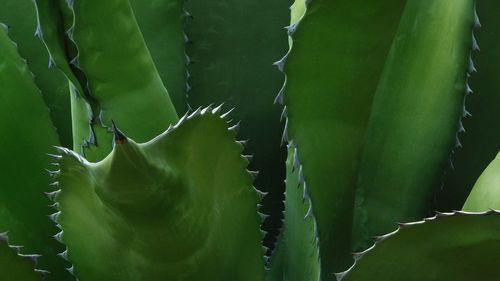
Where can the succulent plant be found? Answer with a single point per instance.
(379, 121)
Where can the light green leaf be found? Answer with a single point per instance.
(486, 192)
(174, 208)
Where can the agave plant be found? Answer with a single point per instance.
(389, 113)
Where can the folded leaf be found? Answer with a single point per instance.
(175, 207)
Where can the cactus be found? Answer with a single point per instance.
(376, 100)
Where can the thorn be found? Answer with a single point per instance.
(64, 254)
(119, 138)
(477, 23)
(254, 174)
(309, 212)
(31, 258)
(4, 237)
(280, 97)
(217, 109)
(291, 29)
(475, 46)
(38, 32)
(55, 156)
(263, 216)
(248, 158)
(472, 68)
(283, 114)
(54, 217)
(195, 113)
(235, 127)
(58, 237)
(284, 138)
(71, 270)
(281, 63)
(223, 116)
(42, 273)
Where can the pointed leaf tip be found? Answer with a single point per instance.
(120, 137)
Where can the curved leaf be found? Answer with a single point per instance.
(415, 116)
(339, 49)
(458, 247)
(296, 256)
(486, 192)
(162, 25)
(112, 81)
(27, 135)
(20, 16)
(481, 140)
(176, 207)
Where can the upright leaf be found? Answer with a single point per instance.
(415, 116)
(162, 25)
(181, 206)
(27, 134)
(481, 140)
(20, 16)
(338, 52)
(296, 256)
(233, 45)
(112, 77)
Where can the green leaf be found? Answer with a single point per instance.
(458, 247)
(485, 194)
(296, 256)
(481, 140)
(27, 135)
(181, 206)
(415, 116)
(112, 81)
(15, 266)
(339, 50)
(20, 16)
(233, 45)
(162, 25)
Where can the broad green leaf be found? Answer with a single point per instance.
(415, 116)
(455, 247)
(233, 44)
(296, 256)
(27, 134)
(339, 50)
(20, 16)
(113, 77)
(162, 25)
(15, 266)
(481, 140)
(486, 192)
(179, 207)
